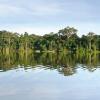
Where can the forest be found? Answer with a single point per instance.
(65, 40)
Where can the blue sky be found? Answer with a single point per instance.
(44, 16)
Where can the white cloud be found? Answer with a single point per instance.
(34, 16)
(7, 10)
(31, 30)
(30, 9)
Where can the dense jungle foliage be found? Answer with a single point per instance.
(66, 40)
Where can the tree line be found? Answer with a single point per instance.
(66, 39)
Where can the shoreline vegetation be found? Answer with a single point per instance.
(65, 40)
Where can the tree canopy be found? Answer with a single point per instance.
(64, 40)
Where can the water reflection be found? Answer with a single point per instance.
(65, 64)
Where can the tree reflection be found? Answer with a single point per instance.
(66, 64)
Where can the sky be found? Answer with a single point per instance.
(45, 16)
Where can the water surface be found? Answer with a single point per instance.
(49, 76)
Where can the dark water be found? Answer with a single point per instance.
(49, 76)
